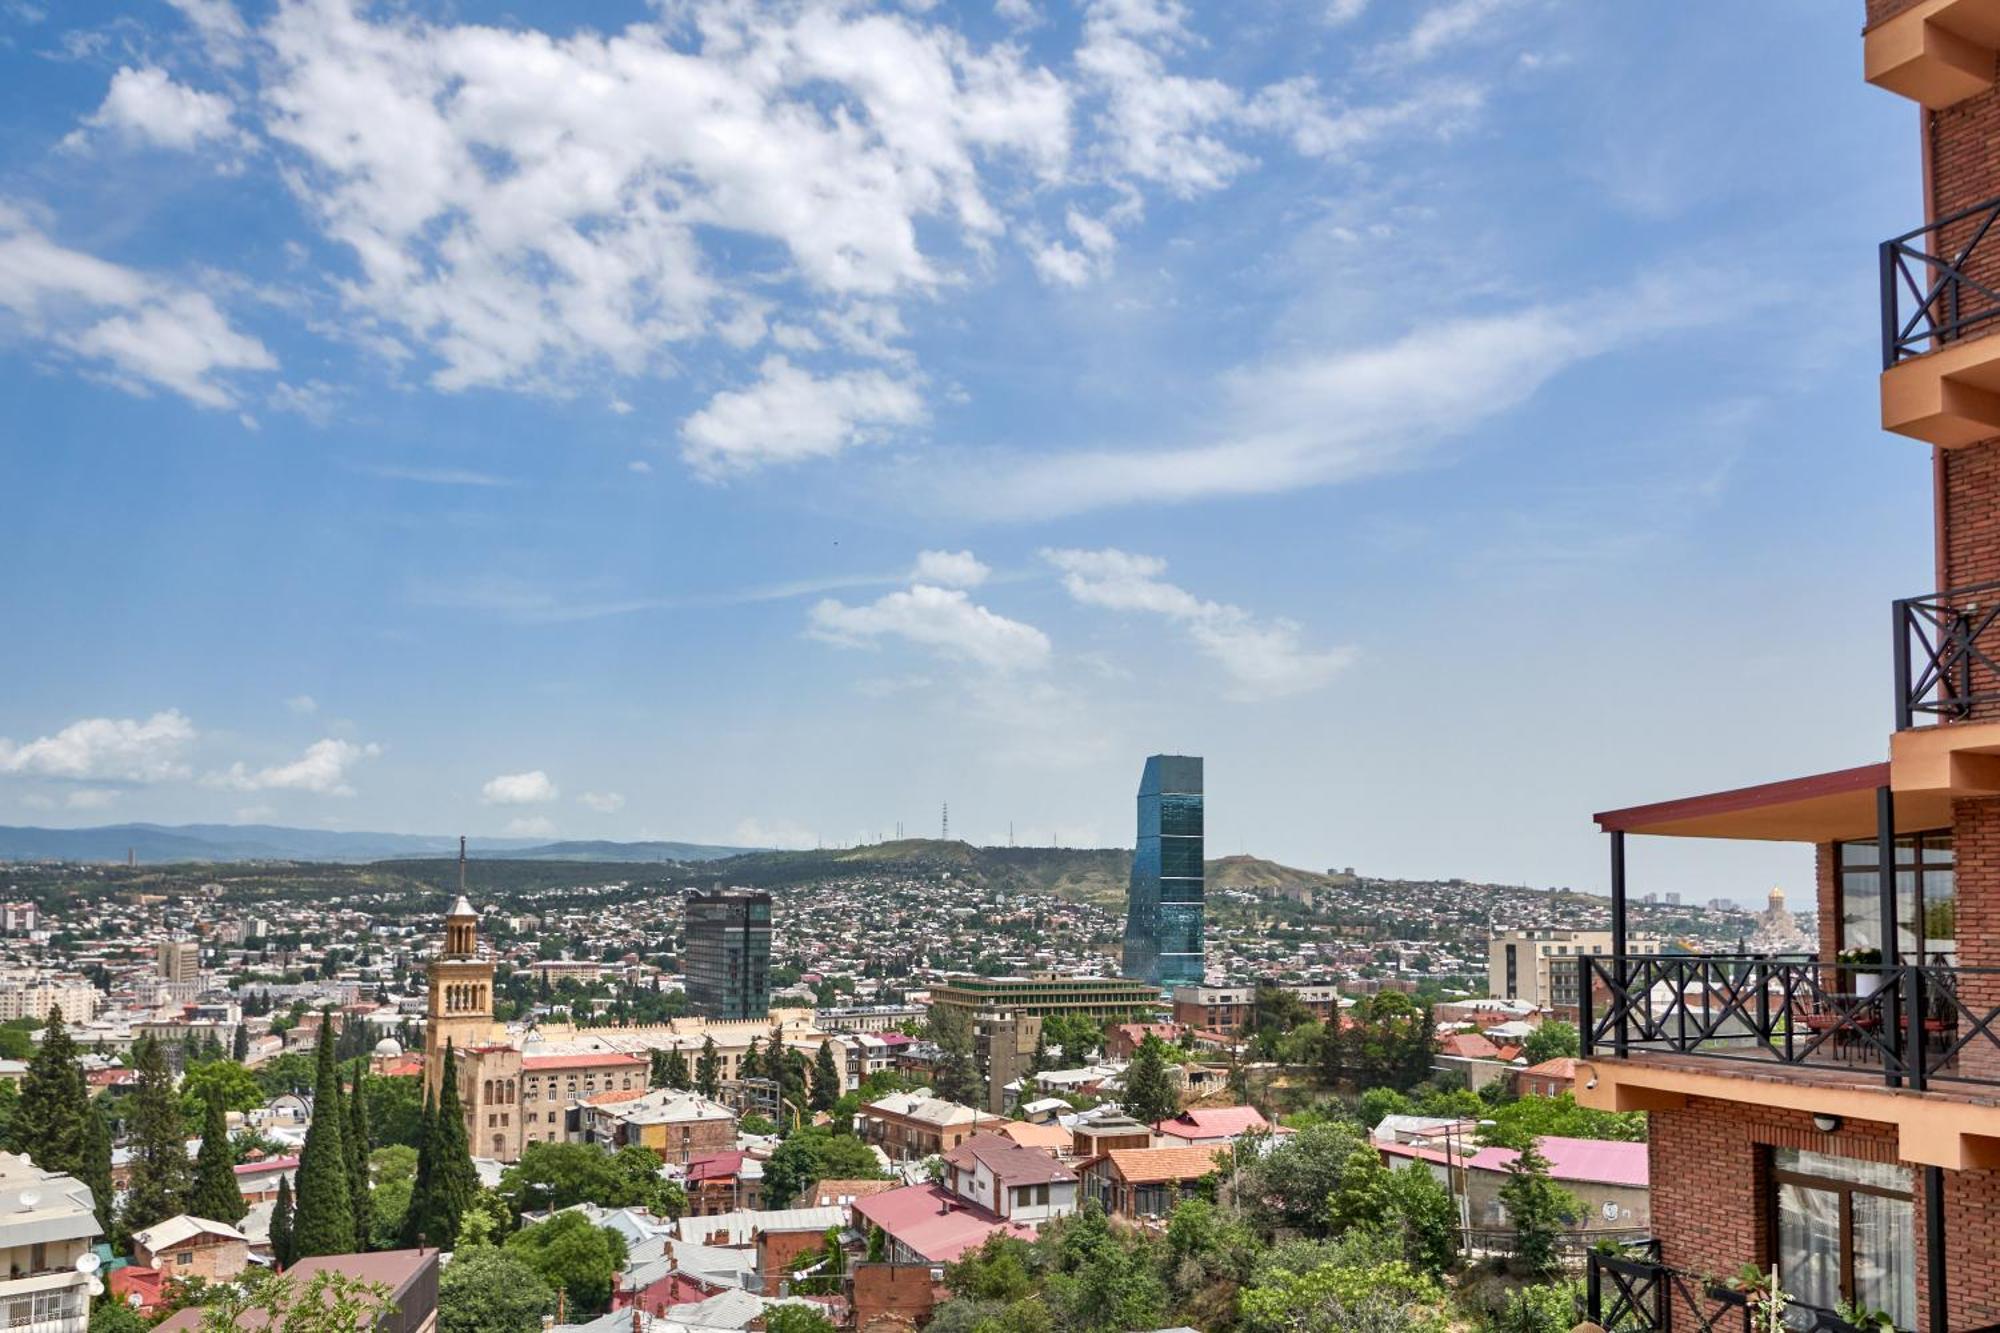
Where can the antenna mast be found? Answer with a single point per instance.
(944, 833)
(461, 865)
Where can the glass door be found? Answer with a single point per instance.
(1846, 1232)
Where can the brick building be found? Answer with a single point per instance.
(190, 1247)
(1835, 1116)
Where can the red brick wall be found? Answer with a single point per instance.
(1826, 878)
(777, 1249)
(892, 1295)
(1711, 1188)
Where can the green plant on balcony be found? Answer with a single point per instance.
(1764, 1298)
(1865, 1318)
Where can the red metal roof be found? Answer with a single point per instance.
(1594, 1161)
(1213, 1122)
(934, 1222)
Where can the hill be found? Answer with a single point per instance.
(159, 844)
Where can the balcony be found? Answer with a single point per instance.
(1940, 312)
(1824, 1038)
(1937, 53)
(1633, 1292)
(1945, 666)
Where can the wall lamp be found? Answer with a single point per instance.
(1590, 1071)
(1826, 1124)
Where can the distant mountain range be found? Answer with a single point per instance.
(155, 844)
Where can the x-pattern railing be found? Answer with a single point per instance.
(1945, 653)
(1636, 1293)
(1931, 296)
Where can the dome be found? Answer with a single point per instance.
(388, 1048)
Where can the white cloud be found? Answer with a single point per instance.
(118, 749)
(781, 833)
(950, 569)
(788, 415)
(322, 769)
(436, 476)
(90, 798)
(303, 704)
(944, 620)
(142, 330)
(1441, 26)
(531, 826)
(1265, 659)
(604, 802)
(1344, 11)
(519, 789)
(145, 105)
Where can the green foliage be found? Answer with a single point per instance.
(292, 1071)
(573, 1256)
(551, 1176)
(330, 1302)
(214, 1194)
(1538, 1309)
(796, 1319)
(811, 1154)
(237, 1087)
(708, 1069)
(282, 1215)
(1149, 1088)
(760, 1126)
(1337, 1297)
(1287, 1187)
(395, 1109)
(117, 1317)
(324, 1221)
(827, 1081)
(997, 1271)
(1519, 1123)
(490, 1290)
(955, 1078)
(354, 1142)
(1425, 1219)
(394, 1170)
(1539, 1211)
(16, 1039)
(46, 1126)
(447, 1182)
(96, 1170)
(158, 1186)
(1551, 1041)
(1077, 1034)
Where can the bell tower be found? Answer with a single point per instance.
(461, 990)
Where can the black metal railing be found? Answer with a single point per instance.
(1929, 292)
(1910, 1024)
(1946, 646)
(1633, 1292)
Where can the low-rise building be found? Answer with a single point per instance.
(1212, 1127)
(678, 1125)
(48, 1221)
(1015, 1183)
(912, 1125)
(184, 1246)
(1146, 1182)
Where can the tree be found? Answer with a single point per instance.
(355, 1143)
(215, 1195)
(813, 1153)
(827, 1083)
(329, 1302)
(955, 1079)
(1149, 1088)
(420, 1183)
(96, 1169)
(489, 1290)
(394, 1171)
(573, 1256)
(46, 1125)
(552, 1176)
(1286, 1186)
(1551, 1041)
(239, 1044)
(447, 1182)
(1539, 1210)
(324, 1222)
(1336, 1297)
(1542, 1309)
(796, 1319)
(281, 1224)
(395, 1109)
(1521, 1122)
(708, 1069)
(158, 1186)
(237, 1087)
(1427, 1219)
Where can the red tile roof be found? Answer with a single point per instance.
(1469, 1045)
(1148, 1166)
(934, 1222)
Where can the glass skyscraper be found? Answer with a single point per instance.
(1163, 922)
(728, 957)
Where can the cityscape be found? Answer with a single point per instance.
(1419, 833)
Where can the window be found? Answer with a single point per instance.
(1926, 895)
(184, 1258)
(1845, 1232)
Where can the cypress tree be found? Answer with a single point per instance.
(357, 1158)
(826, 1087)
(239, 1045)
(281, 1224)
(46, 1125)
(452, 1181)
(675, 1072)
(324, 1223)
(215, 1195)
(708, 1069)
(158, 1188)
(96, 1171)
(418, 1210)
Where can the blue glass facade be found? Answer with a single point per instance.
(1164, 916)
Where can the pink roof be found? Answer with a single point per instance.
(1215, 1122)
(892, 1038)
(1562, 1066)
(715, 1166)
(1470, 1045)
(1596, 1161)
(933, 1221)
(258, 1168)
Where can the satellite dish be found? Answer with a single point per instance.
(29, 1199)
(95, 1288)
(88, 1262)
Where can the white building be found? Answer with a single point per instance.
(47, 1224)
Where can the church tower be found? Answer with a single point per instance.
(461, 993)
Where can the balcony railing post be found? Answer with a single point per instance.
(1913, 1026)
(1889, 322)
(1885, 871)
(1621, 996)
(1593, 1288)
(1905, 706)
(1586, 1012)
(1761, 972)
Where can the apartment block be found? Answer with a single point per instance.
(1540, 967)
(47, 1223)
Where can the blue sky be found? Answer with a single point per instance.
(765, 422)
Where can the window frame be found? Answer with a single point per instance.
(1843, 1190)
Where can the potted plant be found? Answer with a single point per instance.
(1864, 962)
(1765, 1299)
(1863, 1318)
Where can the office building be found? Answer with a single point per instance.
(1539, 967)
(1044, 995)
(178, 962)
(728, 958)
(1834, 1117)
(1164, 914)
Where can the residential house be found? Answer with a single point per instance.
(410, 1276)
(678, 1125)
(48, 1222)
(184, 1246)
(1146, 1182)
(1015, 1183)
(1550, 1078)
(912, 1125)
(1213, 1127)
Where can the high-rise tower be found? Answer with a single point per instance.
(1164, 915)
(728, 962)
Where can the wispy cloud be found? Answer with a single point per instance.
(434, 476)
